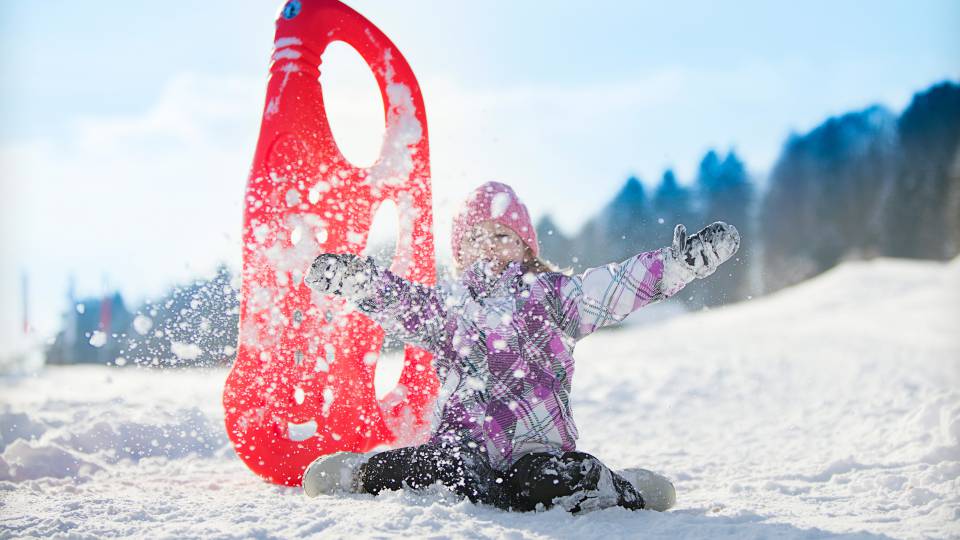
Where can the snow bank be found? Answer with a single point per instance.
(24, 461)
(84, 420)
(831, 409)
(21, 354)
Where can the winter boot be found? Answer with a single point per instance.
(657, 491)
(334, 473)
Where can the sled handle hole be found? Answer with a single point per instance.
(353, 104)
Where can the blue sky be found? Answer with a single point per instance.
(128, 127)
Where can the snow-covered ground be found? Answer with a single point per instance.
(829, 409)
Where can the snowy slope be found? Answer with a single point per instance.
(832, 408)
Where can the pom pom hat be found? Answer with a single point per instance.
(496, 202)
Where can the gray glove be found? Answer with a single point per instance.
(698, 256)
(343, 274)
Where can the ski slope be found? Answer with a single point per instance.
(831, 409)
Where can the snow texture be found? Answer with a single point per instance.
(98, 339)
(831, 409)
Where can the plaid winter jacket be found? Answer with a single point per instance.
(503, 346)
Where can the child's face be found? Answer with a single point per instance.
(489, 241)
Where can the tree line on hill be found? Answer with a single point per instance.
(860, 185)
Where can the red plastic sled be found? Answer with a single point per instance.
(302, 384)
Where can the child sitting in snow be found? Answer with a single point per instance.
(502, 345)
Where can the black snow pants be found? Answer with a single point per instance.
(576, 480)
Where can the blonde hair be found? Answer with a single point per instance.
(538, 265)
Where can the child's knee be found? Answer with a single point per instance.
(385, 471)
(539, 479)
(427, 465)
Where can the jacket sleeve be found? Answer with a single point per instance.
(607, 294)
(411, 312)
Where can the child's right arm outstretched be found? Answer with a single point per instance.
(608, 294)
(411, 312)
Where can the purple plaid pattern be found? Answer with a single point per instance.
(503, 347)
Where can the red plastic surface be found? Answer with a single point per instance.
(302, 384)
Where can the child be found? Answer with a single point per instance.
(502, 344)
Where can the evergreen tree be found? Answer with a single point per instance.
(619, 230)
(554, 245)
(921, 210)
(725, 194)
(193, 325)
(629, 221)
(672, 204)
(825, 194)
(952, 209)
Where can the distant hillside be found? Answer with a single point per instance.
(860, 185)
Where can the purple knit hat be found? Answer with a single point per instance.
(497, 202)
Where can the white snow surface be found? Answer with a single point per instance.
(831, 409)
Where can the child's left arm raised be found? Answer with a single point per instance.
(411, 312)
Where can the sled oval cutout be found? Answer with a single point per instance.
(383, 233)
(353, 104)
(388, 368)
(301, 432)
